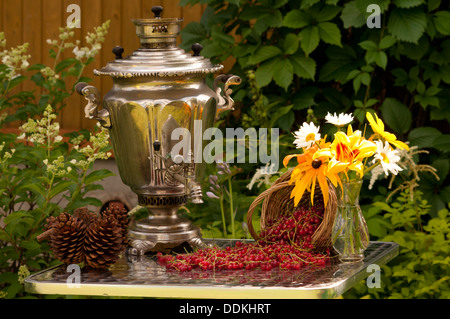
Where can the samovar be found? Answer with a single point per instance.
(157, 89)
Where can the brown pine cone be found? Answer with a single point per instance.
(103, 243)
(118, 211)
(84, 214)
(67, 238)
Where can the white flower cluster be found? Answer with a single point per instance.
(94, 40)
(6, 155)
(93, 152)
(15, 59)
(64, 34)
(43, 131)
(50, 74)
(262, 175)
(22, 274)
(57, 167)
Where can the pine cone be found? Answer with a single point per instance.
(67, 238)
(84, 214)
(103, 243)
(118, 211)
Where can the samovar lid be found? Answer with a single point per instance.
(158, 55)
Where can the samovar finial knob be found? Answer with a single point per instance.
(196, 48)
(157, 10)
(118, 51)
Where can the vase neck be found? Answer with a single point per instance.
(349, 193)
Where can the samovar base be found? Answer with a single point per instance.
(162, 233)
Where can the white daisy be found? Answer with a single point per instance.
(339, 120)
(388, 158)
(307, 135)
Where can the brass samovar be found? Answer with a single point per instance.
(157, 89)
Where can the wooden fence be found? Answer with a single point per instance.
(35, 21)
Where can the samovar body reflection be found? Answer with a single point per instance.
(156, 90)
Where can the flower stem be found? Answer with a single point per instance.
(223, 216)
(231, 207)
(371, 167)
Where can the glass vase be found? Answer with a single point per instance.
(350, 235)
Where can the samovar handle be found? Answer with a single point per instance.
(225, 100)
(92, 95)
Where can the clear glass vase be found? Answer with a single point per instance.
(350, 235)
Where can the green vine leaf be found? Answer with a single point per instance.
(264, 53)
(407, 24)
(283, 73)
(442, 22)
(329, 33)
(396, 115)
(296, 19)
(309, 39)
(408, 3)
(351, 16)
(304, 67)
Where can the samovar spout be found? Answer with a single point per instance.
(92, 95)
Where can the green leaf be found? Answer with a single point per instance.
(368, 45)
(60, 187)
(442, 143)
(30, 244)
(329, 33)
(283, 73)
(264, 53)
(308, 3)
(309, 39)
(212, 49)
(264, 73)
(16, 81)
(194, 32)
(433, 4)
(305, 98)
(219, 35)
(291, 42)
(269, 20)
(351, 16)
(423, 136)
(408, 3)
(396, 115)
(280, 112)
(407, 24)
(304, 67)
(341, 61)
(442, 22)
(387, 42)
(296, 19)
(64, 64)
(381, 59)
(326, 14)
(97, 175)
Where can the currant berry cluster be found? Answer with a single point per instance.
(295, 230)
(285, 243)
(245, 256)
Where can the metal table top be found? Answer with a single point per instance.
(142, 276)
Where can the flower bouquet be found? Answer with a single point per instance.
(343, 162)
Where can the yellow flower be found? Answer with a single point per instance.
(378, 129)
(309, 171)
(347, 151)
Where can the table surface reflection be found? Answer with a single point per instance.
(142, 276)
